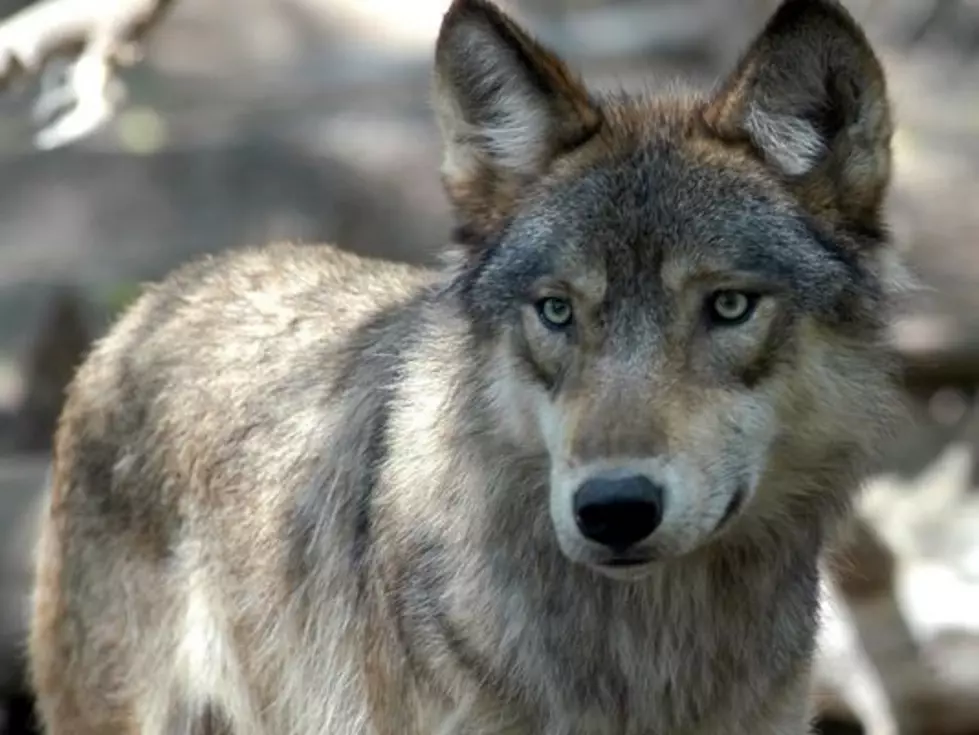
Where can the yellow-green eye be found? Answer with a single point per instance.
(727, 308)
(555, 313)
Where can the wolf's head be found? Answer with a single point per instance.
(685, 297)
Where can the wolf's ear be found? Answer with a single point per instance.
(506, 106)
(810, 97)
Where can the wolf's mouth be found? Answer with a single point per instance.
(733, 506)
(625, 562)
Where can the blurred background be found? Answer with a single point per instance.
(251, 120)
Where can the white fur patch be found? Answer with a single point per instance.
(208, 671)
(789, 142)
(518, 138)
(518, 142)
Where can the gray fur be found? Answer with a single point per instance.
(298, 491)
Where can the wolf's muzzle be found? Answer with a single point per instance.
(618, 511)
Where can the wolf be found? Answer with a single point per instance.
(577, 479)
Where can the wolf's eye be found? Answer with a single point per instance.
(729, 308)
(554, 312)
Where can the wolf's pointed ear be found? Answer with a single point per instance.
(506, 106)
(810, 97)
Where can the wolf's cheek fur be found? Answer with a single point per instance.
(747, 354)
(548, 353)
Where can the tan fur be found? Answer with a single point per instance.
(299, 491)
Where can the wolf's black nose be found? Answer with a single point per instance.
(618, 511)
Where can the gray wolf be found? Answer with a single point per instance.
(576, 480)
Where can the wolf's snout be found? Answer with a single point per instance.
(618, 511)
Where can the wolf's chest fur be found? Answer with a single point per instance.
(560, 650)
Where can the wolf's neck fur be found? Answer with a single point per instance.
(478, 575)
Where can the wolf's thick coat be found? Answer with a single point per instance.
(299, 492)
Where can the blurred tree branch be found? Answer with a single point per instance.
(76, 46)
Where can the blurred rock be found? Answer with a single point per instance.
(22, 480)
(57, 350)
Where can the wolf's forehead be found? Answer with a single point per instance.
(656, 212)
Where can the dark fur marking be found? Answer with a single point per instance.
(211, 722)
(534, 369)
(368, 352)
(485, 250)
(833, 247)
(374, 454)
(390, 356)
(733, 506)
(772, 353)
(793, 15)
(465, 234)
(398, 591)
(421, 617)
(502, 274)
